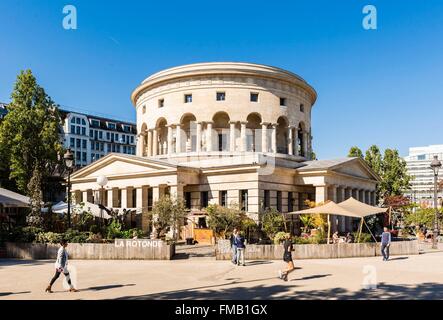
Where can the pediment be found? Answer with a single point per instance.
(118, 165)
(356, 168)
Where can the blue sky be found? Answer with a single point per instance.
(381, 86)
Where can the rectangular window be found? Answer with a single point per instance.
(161, 103)
(100, 135)
(83, 131)
(188, 98)
(223, 198)
(111, 126)
(108, 136)
(77, 120)
(92, 157)
(72, 143)
(77, 130)
(78, 156)
(84, 157)
(78, 144)
(204, 199)
(150, 199)
(95, 123)
(283, 101)
(290, 202)
(267, 200)
(254, 97)
(91, 133)
(279, 201)
(83, 122)
(188, 200)
(84, 144)
(109, 147)
(124, 149)
(72, 129)
(220, 96)
(116, 137)
(92, 145)
(302, 108)
(102, 147)
(73, 120)
(132, 139)
(244, 200)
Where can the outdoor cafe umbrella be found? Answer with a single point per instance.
(363, 210)
(328, 208)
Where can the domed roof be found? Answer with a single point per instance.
(232, 68)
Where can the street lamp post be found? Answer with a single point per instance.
(435, 166)
(69, 162)
(102, 181)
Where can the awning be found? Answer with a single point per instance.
(9, 198)
(329, 208)
(363, 209)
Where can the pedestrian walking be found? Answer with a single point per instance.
(287, 257)
(61, 266)
(385, 243)
(233, 246)
(240, 244)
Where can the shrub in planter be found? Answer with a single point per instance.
(114, 229)
(48, 237)
(364, 237)
(24, 234)
(75, 236)
(95, 238)
(279, 237)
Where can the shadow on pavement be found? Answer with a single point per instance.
(3, 294)
(424, 291)
(253, 263)
(16, 262)
(315, 276)
(111, 286)
(398, 258)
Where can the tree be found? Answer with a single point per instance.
(35, 218)
(374, 159)
(355, 152)
(395, 178)
(272, 222)
(168, 213)
(29, 135)
(222, 220)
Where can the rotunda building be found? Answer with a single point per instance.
(227, 134)
(224, 107)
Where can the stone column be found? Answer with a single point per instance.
(124, 199)
(264, 137)
(373, 198)
(232, 136)
(109, 204)
(290, 141)
(362, 194)
(321, 193)
(178, 139)
(209, 141)
(169, 139)
(139, 197)
(274, 138)
(295, 143)
(155, 194)
(140, 144)
(149, 153)
(342, 193)
(305, 144)
(199, 137)
(155, 142)
(243, 136)
(177, 191)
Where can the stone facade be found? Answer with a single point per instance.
(225, 133)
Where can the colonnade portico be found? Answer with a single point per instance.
(203, 137)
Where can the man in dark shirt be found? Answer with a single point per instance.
(385, 243)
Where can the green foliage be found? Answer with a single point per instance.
(421, 217)
(280, 237)
(114, 229)
(24, 234)
(308, 222)
(36, 197)
(49, 237)
(355, 152)
(168, 213)
(364, 237)
(129, 234)
(223, 220)
(82, 218)
(395, 179)
(29, 138)
(272, 222)
(76, 236)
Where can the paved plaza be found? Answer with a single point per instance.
(412, 277)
